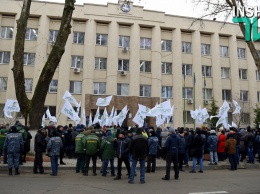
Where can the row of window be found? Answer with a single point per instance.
(124, 41)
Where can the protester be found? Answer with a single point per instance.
(39, 148)
(73, 135)
(181, 151)
(212, 142)
(164, 135)
(249, 143)
(80, 141)
(153, 143)
(187, 138)
(257, 143)
(242, 151)
(27, 143)
(230, 146)
(221, 145)
(61, 132)
(3, 133)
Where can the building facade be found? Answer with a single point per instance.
(136, 55)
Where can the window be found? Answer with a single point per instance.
(257, 75)
(245, 118)
(100, 63)
(166, 68)
(145, 66)
(207, 94)
(53, 87)
(258, 96)
(28, 58)
(101, 39)
(28, 84)
(145, 43)
(226, 95)
(241, 53)
(4, 57)
(187, 117)
(243, 95)
(242, 74)
(31, 34)
(186, 47)
(166, 45)
(76, 62)
(122, 89)
(166, 91)
(75, 87)
(3, 84)
(78, 37)
(205, 49)
(123, 65)
(187, 93)
(206, 71)
(186, 69)
(124, 41)
(145, 90)
(100, 88)
(7, 32)
(225, 72)
(223, 50)
(53, 35)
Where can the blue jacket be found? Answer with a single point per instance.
(173, 143)
(13, 143)
(54, 145)
(212, 142)
(122, 147)
(153, 143)
(182, 145)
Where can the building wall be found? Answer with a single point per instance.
(138, 23)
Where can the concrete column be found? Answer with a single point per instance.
(134, 68)
(177, 76)
(156, 62)
(112, 59)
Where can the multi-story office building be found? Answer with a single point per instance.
(136, 55)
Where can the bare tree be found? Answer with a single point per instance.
(213, 8)
(34, 108)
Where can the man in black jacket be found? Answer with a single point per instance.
(39, 148)
(61, 133)
(139, 150)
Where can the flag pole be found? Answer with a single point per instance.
(204, 90)
(194, 96)
(184, 104)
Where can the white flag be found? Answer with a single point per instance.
(110, 119)
(43, 120)
(78, 108)
(96, 118)
(104, 118)
(51, 118)
(114, 118)
(164, 108)
(104, 101)
(83, 117)
(223, 110)
(143, 110)
(200, 115)
(70, 112)
(121, 116)
(70, 98)
(224, 121)
(8, 114)
(139, 119)
(11, 106)
(159, 120)
(90, 120)
(237, 110)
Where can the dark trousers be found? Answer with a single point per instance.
(80, 162)
(94, 160)
(180, 159)
(151, 161)
(172, 158)
(61, 155)
(38, 162)
(119, 165)
(232, 161)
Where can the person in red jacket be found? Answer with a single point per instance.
(221, 146)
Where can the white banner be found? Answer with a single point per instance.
(104, 118)
(8, 114)
(121, 116)
(114, 118)
(96, 118)
(70, 98)
(43, 120)
(223, 111)
(164, 108)
(83, 117)
(237, 110)
(139, 119)
(104, 101)
(224, 121)
(200, 115)
(159, 120)
(78, 108)
(143, 110)
(51, 118)
(11, 106)
(90, 120)
(110, 118)
(70, 112)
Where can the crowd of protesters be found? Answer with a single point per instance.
(129, 146)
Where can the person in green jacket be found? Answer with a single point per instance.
(80, 140)
(108, 153)
(92, 146)
(3, 133)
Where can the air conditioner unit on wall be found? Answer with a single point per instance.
(76, 70)
(125, 49)
(190, 101)
(123, 72)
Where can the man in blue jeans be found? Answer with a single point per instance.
(249, 143)
(139, 150)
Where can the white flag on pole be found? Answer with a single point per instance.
(159, 120)
(11, 106)
(68, 110)
(78, 108)
(121, 116)
(143, 110)
(90, 120)
(114, 118)
(104, 118)
(8, 114)
(223, 121)
(104, 101)
(223, 110)
(70, 98)
(237, 110)
(43, 120)
(200, 115)
(164, 108)
(51, 118)
(96, 118)
(139, 119)
(83, 117)
(110, 118)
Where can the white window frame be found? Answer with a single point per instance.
(53, 87)
(223, 69)
(166, 45)
(164, 68)
(188, 118)
(101, 39)
(27, 57)
(53, 35)
(242, 72)
(186, 47)
(185, 71)
(207, 71)
(76, 84)
(77, 39)
(3, 84)
(124, 41)
(145, 43)
(241, 53)
(123, 65)
(223, 51)
(145, 90)
(122, 89)
(186, 91)
(7, 32)
(205, 49)
(4, 54)
(244, 98)
(28, 88)
(209, 93)
(31, 34)
(97, 87)
(145, 66)
(77, 61)
(98, 63)
(166, 91)
(225, 94)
